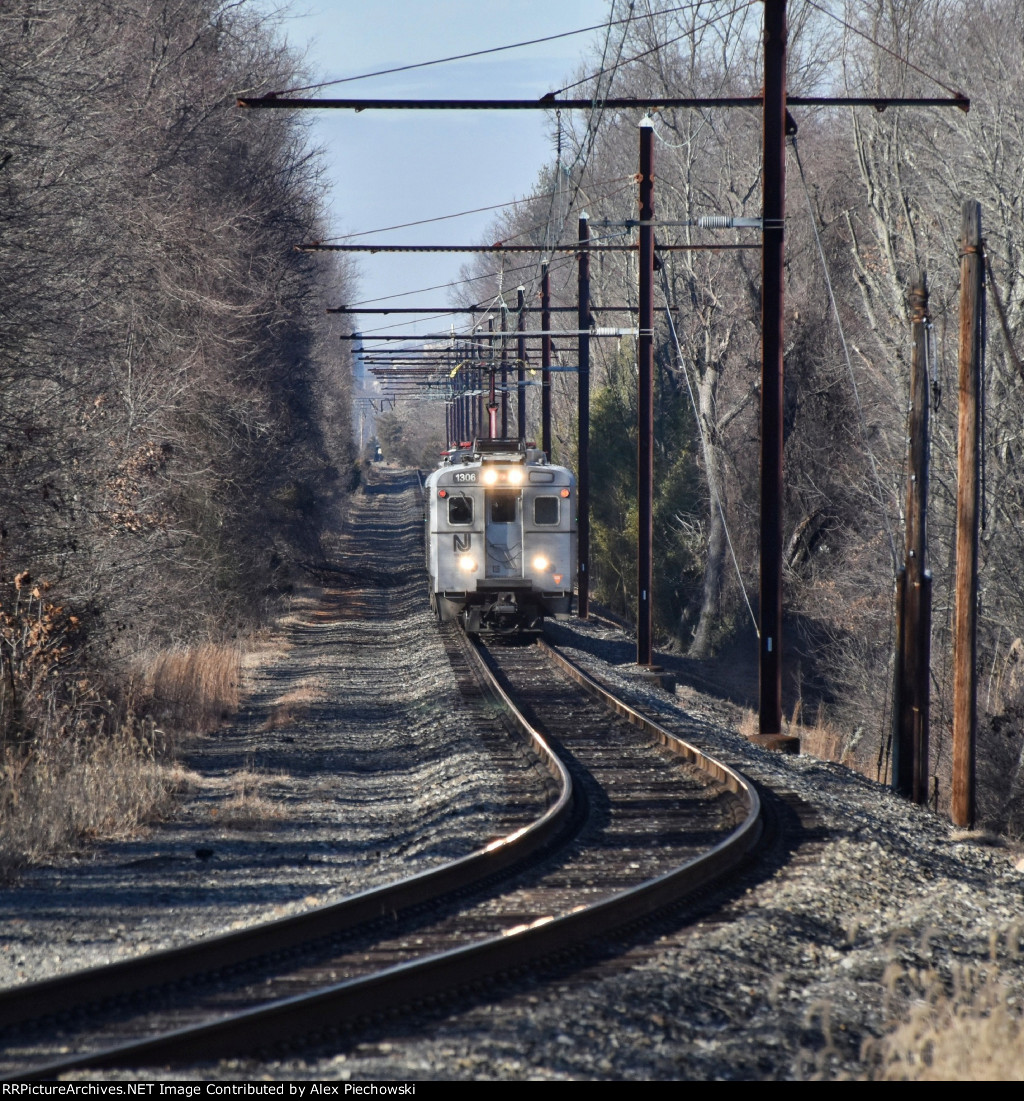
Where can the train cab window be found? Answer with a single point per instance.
(545, 510)
(503, 508)
(460, 510)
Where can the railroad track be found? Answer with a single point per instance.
(634, 820)
(633, 825)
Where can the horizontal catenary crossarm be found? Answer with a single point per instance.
(550, 103)
(496, 310)
(498, 247)
(384, 373)
(482, 339)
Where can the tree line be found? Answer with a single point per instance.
(872, 197)
(173, 424)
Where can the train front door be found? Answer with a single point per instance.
(504, 535)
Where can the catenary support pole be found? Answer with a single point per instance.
(461, 379)
(583, 421)
(473, 387)
(545, 361)
(772, 273)
(645, 401)
(504, 372)
(910, 742)
(521, 363)
(492, 396)
(965, 630)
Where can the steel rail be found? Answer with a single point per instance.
(58, 995)
(724, 774)
(332, 1010)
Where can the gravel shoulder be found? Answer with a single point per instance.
(876, 906)
(878, 911)
(347, 768)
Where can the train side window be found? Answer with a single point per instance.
(460, 510)
(545, 510)
(503, 508)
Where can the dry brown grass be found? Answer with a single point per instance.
(248, 807)
(291, 707)
(824, 740)
(973, 1033)
(747, 726)
(194, 688)
(96, 769)
(821, 739)
(60, 791)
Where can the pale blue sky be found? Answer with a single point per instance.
(391, 167)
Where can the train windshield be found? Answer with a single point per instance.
(545, 510)
(503, 508)
(460, 510)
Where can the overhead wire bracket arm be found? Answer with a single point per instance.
(517, 248)
(879, 103)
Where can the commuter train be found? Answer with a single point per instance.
(500, 537)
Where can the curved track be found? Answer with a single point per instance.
(637, 820)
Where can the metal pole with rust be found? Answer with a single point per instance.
(457, 436)
(913, 662)
(465, 430)
(545, 361)
(583, 423)
(965, 629)
(521, 363)
(772, 276)
(645, 402)
(473, 397)
(504, 372)
(480, 401)
(470, 386)
(492, 398)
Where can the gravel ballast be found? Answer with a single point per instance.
(347, 768)
(793, 975)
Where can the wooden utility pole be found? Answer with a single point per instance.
(965, 623)
(914, 585)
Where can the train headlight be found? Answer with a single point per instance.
(467, 564)
(515, 476)
(490, 476)
(540, 563)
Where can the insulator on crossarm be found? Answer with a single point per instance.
(726, 221)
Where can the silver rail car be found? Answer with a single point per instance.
(500, 537)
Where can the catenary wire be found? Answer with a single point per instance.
(470, 54)
(885, 49)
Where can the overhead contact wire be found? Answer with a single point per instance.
(471, 53)
(885, 49)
